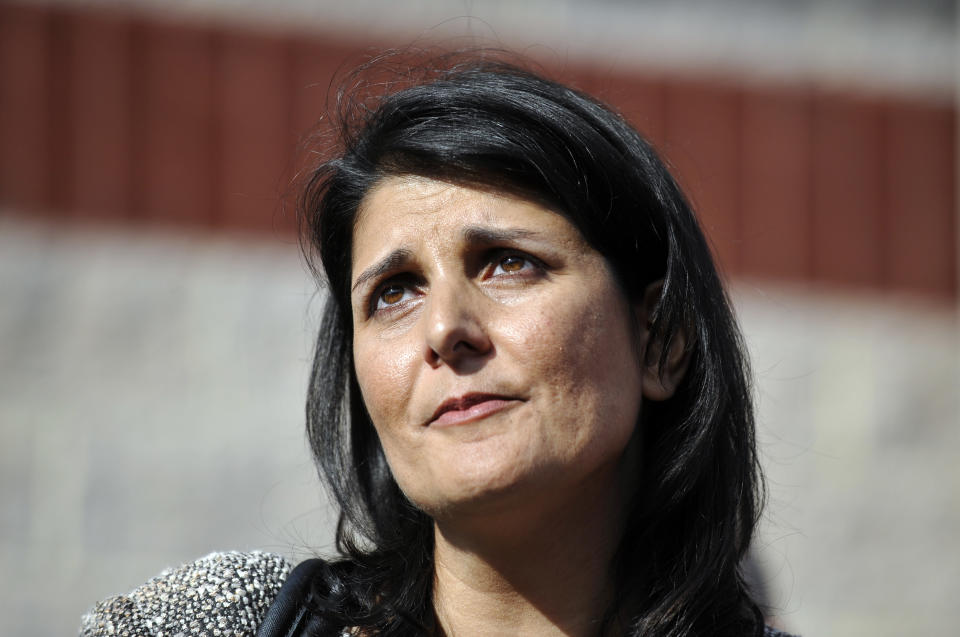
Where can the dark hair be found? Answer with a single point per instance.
(495, 126)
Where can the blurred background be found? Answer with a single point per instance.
(156, 319)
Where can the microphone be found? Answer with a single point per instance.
(221, 594)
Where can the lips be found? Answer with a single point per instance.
(468, 408)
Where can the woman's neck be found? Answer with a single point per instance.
(544, 571)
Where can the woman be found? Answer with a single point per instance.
(529, 396)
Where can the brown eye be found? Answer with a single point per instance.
(392, 294)
(512, 263)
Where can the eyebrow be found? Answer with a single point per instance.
(472, 235)
(392, 261)
(480, 235)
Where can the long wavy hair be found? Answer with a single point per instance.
(497, 126)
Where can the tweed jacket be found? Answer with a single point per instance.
(220, 595)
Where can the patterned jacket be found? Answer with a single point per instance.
(220, 595)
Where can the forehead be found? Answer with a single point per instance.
(417, 212)
(395, 200)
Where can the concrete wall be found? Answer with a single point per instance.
(151, 400)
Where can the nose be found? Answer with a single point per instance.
(455, 326)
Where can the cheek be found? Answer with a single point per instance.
(384, 371)
(583, 356)
(590, 343)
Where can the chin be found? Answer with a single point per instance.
(480, 490)
(463, 507)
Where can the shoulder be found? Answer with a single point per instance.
(220, 590)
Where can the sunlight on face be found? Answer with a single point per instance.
(493, 347)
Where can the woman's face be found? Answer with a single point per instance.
(494, 350)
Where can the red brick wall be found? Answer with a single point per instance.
(130, 118)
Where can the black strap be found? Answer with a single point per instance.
(285, 614)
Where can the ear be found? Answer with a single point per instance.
(659, 382)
